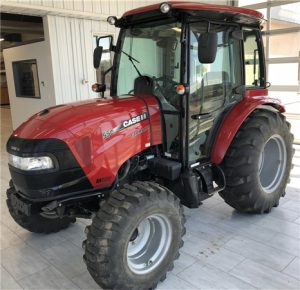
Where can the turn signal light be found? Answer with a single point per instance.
(98, 88)
(180, 89)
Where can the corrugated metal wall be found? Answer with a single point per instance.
(105, 7)
(71, 44)
(116, 7)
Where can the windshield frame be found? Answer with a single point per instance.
(183, 76)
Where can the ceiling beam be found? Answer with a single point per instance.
(8, 26)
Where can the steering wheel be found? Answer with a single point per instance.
(164, 79)
(166, 93)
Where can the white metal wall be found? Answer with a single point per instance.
(71, 45)
(87, 9)
(97, 6)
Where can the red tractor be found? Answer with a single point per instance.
(189, 116)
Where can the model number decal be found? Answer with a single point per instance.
(140, 131)
(125, 124)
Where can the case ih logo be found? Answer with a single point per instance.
(126, 124)
(135, 120)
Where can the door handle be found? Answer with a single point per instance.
(203, 116)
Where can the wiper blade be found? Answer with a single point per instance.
(131, 59)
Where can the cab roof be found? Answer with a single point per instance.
(236, 14)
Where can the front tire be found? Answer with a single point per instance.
(258, 162)
(36, 223)
(135, 237)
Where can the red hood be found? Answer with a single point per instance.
(74, 118)
(101, 133)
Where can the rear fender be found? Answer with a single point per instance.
(253, 99)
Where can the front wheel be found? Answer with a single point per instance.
(35, 223)
(258, 163)
(135, 237)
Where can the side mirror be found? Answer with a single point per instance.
(207, 47)
(104, 44)
(97, 56)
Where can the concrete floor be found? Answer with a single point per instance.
(223, 249)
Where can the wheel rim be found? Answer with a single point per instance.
(272, 163)
(149, 244)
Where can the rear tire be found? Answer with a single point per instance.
(258, 162)
(135, 237)
(36, 223)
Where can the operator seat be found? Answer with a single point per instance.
(143, 85)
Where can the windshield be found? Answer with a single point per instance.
(152, 51)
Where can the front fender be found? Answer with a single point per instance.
(234, 119)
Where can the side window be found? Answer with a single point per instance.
(253, 59)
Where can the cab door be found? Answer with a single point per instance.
(211, 86)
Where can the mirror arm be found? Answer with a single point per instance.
(104, 74)
(113, 48)
(103, 78)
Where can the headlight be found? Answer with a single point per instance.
(31, 163)
(165, 7)
(112, 20)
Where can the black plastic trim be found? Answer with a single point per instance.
(67, 176)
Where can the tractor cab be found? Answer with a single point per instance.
(194, 59)
(197, 61)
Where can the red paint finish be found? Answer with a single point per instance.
(155, 119)
(253, 99)
(198, 6)
(82, 125)
(258, 92)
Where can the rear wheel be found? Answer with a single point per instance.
(258, 163)
(135, 237)
(36, 223)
